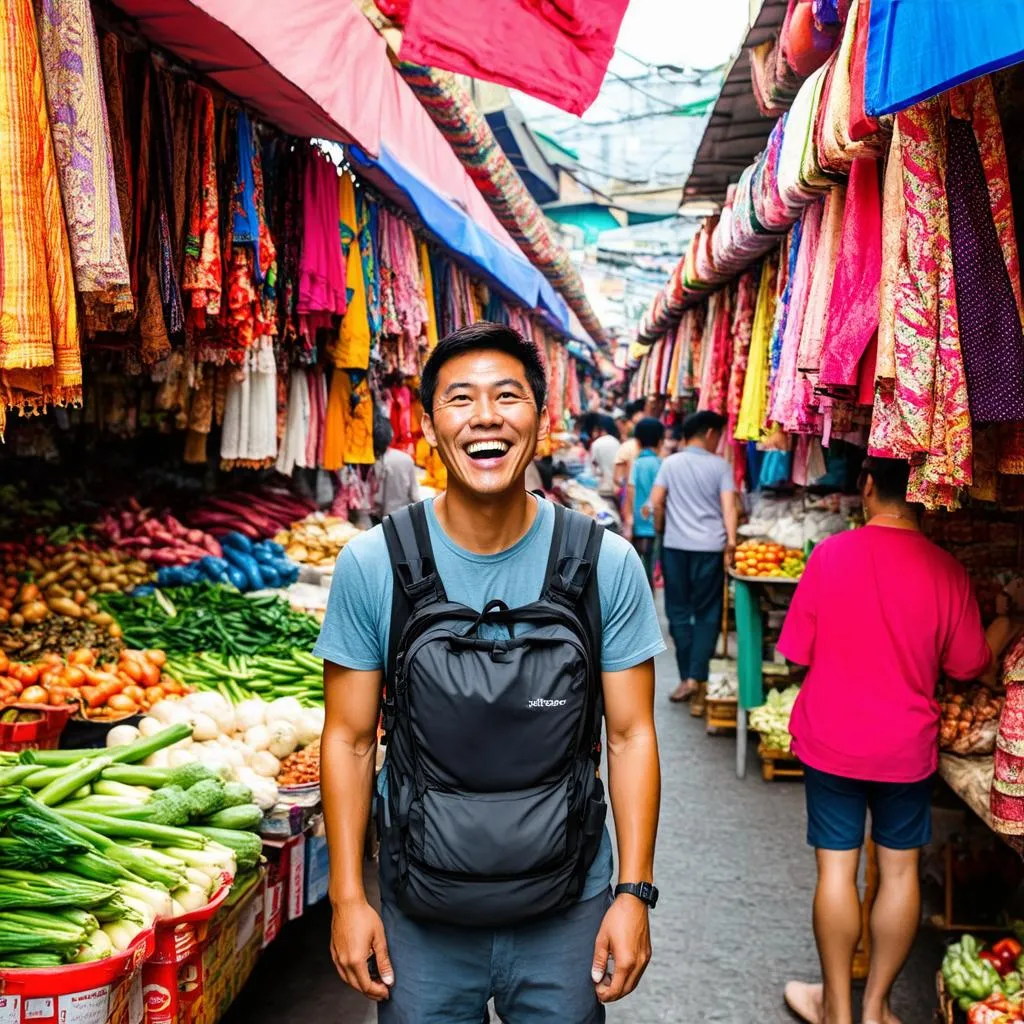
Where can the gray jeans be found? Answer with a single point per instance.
(537, 973)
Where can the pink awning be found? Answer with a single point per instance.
(315, 68)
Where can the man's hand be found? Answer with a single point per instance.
(625, 936)
(357, 932)
(730, 555)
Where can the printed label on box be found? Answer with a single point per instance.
(296, 876)
(136, 1003)
(272, 912)
(89, 1007)
(10, 1009)
(39, 1009)
(247, 925)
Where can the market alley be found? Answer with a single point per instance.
(732, 927)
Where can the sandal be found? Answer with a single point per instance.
(683, 693)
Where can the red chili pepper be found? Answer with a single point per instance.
(990, 956)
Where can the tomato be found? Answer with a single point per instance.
(27, 674)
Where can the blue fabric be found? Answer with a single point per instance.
(510, 271)
(357, 622)
(245, 224)
(901, 812)
(919, 48)
(775, 469)
(694, 591)
(642, 476)
(538, 973)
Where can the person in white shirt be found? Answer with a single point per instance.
(394, 472)
(604, 446)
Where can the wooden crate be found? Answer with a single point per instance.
(777, 764)
(720, 714)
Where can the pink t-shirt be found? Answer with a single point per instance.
(879, 615)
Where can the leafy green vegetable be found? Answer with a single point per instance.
(205, 798)
(248, 846)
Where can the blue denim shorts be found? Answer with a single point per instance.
(537, 973)
(901, 812)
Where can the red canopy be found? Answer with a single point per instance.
(315, 68)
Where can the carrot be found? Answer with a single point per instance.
(131, 667)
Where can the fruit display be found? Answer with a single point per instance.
(756, 558)
(771, 719)
(985, 982)
(101, 690)
(317, 540)
(970, 720)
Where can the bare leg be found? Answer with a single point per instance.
(837, 928)
(894, 923)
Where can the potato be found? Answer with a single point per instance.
(64, 606)
(34, 612)
(101, 619)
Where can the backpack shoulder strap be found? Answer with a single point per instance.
(416, 582)
(571, 577)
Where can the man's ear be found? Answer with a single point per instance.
(543, 424)
(427, 426)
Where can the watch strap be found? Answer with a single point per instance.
(646, 892)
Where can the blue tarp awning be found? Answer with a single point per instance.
(920, 48)
(509, 271)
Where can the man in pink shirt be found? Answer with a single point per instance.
(880, 615)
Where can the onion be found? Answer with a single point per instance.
(161, 759)
(224, 717)
(149, 726)
(287, 708)
(283, 738)
(170, 712)
(264, 763)
(257, 738)
(122, 735)
(176, 758)
(249, 713)
(204, 728)
(309, 726)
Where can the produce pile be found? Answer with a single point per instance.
(723, 686)
(257, 514)
(292, 674)
(755, 558)
(155, 537)
(970, 720)
(250, 743)
(245, 565)
(94, 847)
(986, 983)
(771, 719)
(209, 617)
(102, 690)
(301, 768)
(317, 540)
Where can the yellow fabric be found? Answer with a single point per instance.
(428, 459)
(428, 288)
(754, 403)
(354, 340)
(348, 429)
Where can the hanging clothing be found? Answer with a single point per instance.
(742, 329)
(322, 289)
(40, 363)
(432, 334)
(751, 418)
(354, 339)
(988, 304)
(85, 163)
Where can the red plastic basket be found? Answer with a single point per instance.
(31, 982)
(43, 734)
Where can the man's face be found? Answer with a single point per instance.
(485, 422)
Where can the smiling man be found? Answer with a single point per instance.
(502, 631)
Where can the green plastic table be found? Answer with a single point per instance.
(750, 644)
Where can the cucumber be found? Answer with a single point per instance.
(241, 817)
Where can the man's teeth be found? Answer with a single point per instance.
(488, 446)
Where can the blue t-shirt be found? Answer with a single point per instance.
(358, 619)
(642, 475)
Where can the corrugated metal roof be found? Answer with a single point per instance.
(737, 130)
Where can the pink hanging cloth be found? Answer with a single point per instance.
(556, 50)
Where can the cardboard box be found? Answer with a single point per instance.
(317, 869)
(284, 900)
(229, 955)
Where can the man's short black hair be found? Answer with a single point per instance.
(649, 432)
(608, 425)
(891, 477)
(480, 337)
(699, 423)
(383, 433)
(636, 406)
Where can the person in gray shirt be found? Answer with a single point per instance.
(694, 503)
(394, 472)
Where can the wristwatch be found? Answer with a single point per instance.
(645, 892)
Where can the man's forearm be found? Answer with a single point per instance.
(634, 783)
(346, 785)
(732, 519)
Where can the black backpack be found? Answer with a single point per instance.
(494, 811)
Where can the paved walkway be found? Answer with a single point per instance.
(732, 926)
